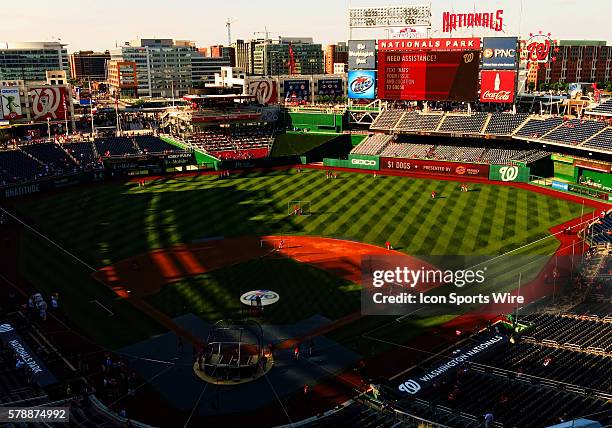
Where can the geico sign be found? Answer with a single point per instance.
(366, 162)
(410, 387)
(509, 173)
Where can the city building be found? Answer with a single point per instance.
(29, 61)
(273, 58)
(244, 52)
(89, 65)
(56, 77)
(335, 54)
(123, 79)
(577, 61)
(204, 68)
(161, 66)
(220, 51)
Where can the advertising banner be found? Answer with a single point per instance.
(559, 185)
(362, 55)
(11, 103)
(296, 91)
(264, 90)
(49, 102)
(420, 383)
(364, 162)
(499, 53)
(497, 86)
(444, 44)
(11, 339)
(362, 84)
(428, 75)
(421, 166)
(330, 87)
(509, 173)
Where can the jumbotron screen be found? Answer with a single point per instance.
(429, 69)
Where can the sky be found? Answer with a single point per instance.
(101, 24)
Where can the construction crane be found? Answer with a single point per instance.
(228, 24)
(266, 33)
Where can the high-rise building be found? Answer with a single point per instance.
(28, 61)
(244, 52)
(88, 65)
(273, 58)
(577, 61)
(161, 66)
(335, 54)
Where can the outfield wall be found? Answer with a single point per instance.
(322, 122)
(200, 157)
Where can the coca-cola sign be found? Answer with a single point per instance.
(497, 86)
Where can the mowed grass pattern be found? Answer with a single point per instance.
(105, 223)
(111, 222)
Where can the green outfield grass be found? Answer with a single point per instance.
(109, 222)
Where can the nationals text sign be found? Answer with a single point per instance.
(420, 166)
(497, 86)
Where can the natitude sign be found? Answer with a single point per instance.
(497, 86)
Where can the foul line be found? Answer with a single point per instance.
(48, 239)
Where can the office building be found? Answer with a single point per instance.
(88, 65)
(29, 61)
(273, 58)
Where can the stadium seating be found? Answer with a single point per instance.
(605, 107)
(413, 121)
(150, 144)
(240, 142)
(504, 123)
(513, 402)
(600, 232)
(577, 368)
(372, 145)
(574, 131)
(83, 153)
(406, 150)
(52, 155)
(602, 141)
(116, 146)
(16, 166)
(562, 330)
(536, 128)
(472, 123)
(387, 120)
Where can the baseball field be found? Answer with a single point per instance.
(78, 233)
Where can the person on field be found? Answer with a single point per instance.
(434, 194)
(388, 245)
(296, 351)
